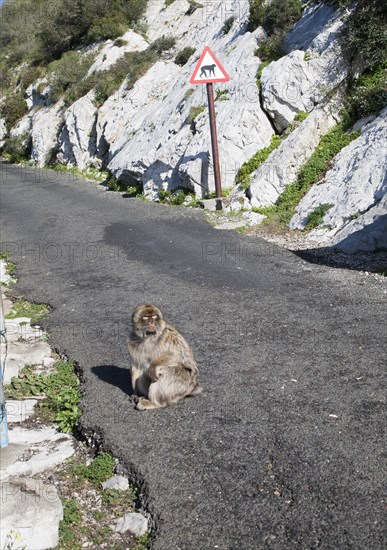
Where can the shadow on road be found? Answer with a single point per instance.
(375, 262)
(116, 376)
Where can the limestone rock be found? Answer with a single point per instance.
(283, 165)
(116, 482)
(32, 510)
(111, 51)
(38, 94)
(3, 131)
(301, 80)
(5, 277)
(46, 124)
(134, 522)
(356, 182)
(37, 451)
(19, 411)
(365, 234)
(21, 329)
(77, 140)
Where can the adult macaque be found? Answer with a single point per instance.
(163, 367)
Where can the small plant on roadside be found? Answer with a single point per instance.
(24, 308)
(184, 55)
(316, 217)
(100, 470)
(17, 149)
(10, 266)
(222, 95)
(61, 388)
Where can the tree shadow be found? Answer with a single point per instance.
(116, 376)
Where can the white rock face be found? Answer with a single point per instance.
(32, 510)
(3, 131)
(77, 140)
(46, 124)
(19, 411)
(24, 126)
(365, 234)
(356, 183)
(116, 482)
(150, 136)
(40, 450)
(283, 165)
(111, 52)
(38, 94)
(301, 80)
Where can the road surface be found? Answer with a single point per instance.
(284, 448)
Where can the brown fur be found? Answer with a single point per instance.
(163, 367)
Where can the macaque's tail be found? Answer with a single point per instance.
(197, 390)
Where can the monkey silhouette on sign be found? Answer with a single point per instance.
(209, 68)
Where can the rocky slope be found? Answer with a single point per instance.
(157, 132)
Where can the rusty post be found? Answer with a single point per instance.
(214, 144)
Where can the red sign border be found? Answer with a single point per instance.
(225, 78)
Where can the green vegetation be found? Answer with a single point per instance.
(131, 66)
(23, 308)
(18, 148)
(168, 3)
(12, 109)
(184, 55)
(221, 95)
(66, 76)
(162, 44)
(277, 17)
(298, 119)
(228, 24)
(311, 172)
(368, 94)
(113, 504)
(61, 387)
(10, 266)
(177, 197)
(194, 112)
(317, 215)
(193, 6)
(243, 175)
(109, 26)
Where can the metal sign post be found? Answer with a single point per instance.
(208, 70)
(214, 145)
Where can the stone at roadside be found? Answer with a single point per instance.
(32, 511)
(19, 411)
(21, 329)
(120, 483)
(5, 277)
(134, 522)
(37, 451)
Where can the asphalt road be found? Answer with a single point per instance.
(284, 448)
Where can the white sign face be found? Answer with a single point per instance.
(208, 69)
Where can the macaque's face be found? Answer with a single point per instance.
(147, 321)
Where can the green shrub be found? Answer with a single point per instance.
(368, 94)
(120, 42)
(228, 24)
(17, 149)
(367, 31)
(280, 15)
(256, 15)
(312, 171)
(184, 55)
(163, 44)
(28, 75)
(271, 49)
(110, 26)
(68, 72)
(193, 6)
(317, 215)
(13, 109)
(194, 112)
(243, 175)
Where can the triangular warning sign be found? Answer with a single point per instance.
(208, 69)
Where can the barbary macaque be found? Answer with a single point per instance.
(163, 368)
